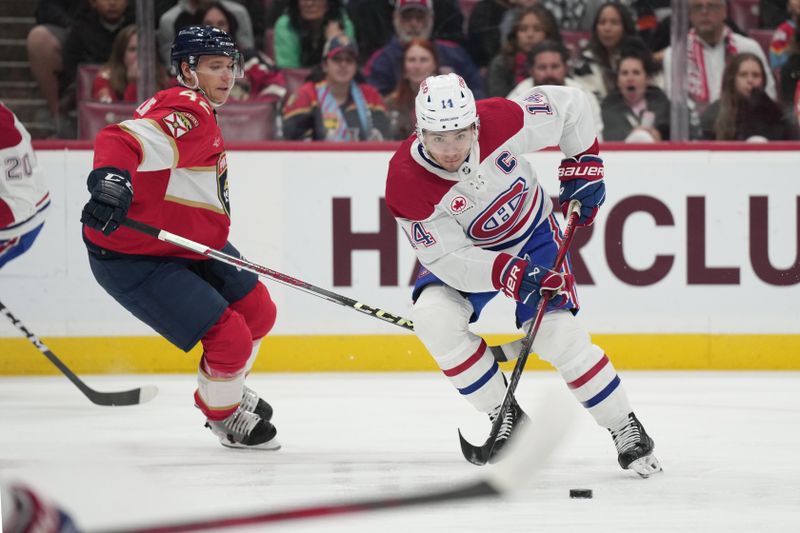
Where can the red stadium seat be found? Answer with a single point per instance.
(238, 121)
(247, 121)
(764, 38)
(744, 13)
(575, 41)
(85, 79)
(295, 77)
(94, 116)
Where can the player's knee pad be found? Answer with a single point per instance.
(561, 340)
(227, 345)
(441, 319)
(258, 310)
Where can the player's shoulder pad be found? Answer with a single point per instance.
(412, 192)
(500, 120)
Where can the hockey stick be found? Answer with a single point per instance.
(128, 397)
(526, 452)
(479, 455)
(263, 271)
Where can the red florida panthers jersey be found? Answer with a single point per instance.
(174, 152)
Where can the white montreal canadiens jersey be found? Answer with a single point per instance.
(24, 197)
(460, 222)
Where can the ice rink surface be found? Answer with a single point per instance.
(728, 443)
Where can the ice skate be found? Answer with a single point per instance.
(514, 417)
(253, 403)
(244, 429)
(635, 448)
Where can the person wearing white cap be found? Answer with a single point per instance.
(414, 19)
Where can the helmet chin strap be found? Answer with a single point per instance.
(196, 87)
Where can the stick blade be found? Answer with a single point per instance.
(123, 398)
(532, 444)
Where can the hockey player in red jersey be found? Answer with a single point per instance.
(480, 223)
(167, 167)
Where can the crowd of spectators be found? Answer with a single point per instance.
(348, 70)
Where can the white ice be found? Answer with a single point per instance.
(728, 443)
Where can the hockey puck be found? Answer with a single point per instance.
(580, 493)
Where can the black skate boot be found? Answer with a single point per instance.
(244, 429)
(635, 447)
(253, 403)
(514, 417)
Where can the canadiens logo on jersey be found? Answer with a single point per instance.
(459, 204)
(222, 183)
(502, 216)
(178, 124)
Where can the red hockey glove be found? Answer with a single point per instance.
(526, 282)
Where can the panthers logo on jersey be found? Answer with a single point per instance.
(222, 183)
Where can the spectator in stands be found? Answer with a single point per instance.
(744, 111)
(414, 19)
(336, 107)
(187, 13)
(771, 12)
(598, 64)
(790, 79)
(483, 30)
(302, 31)
(116, 81)
(548, 66)
(573, 15)
(262, 80)
(784, 35)
(45, 43)
(419, 62)
(635, 111)
(710, 44)
(90, 40)
(532, 26)
(374, 28)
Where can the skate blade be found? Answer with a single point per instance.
(646, 466)
(270, 445)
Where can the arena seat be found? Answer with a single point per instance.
(238, 121)
(763, 38)
(744, 13)
(94, 116)
(575, 41)
(295, 77)
(247, 121)
(85, 79)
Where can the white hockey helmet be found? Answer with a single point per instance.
(444, 103)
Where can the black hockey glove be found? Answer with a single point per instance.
(112, 194)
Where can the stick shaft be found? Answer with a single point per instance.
(263, 271)
(129, 397)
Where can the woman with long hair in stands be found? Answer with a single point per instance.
(262, 80)
(744, 110)
(305, 27)
(612, 26)
(531, 26)
(116, 80)
(420, 60)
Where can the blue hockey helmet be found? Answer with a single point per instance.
(195, 41)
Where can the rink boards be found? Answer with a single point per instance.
(694, 263)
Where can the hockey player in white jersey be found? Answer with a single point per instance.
(24, 197)
(480, 223)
